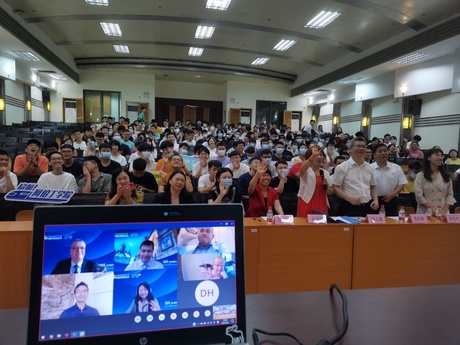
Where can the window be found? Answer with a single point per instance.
(100, 103)
(270, 112)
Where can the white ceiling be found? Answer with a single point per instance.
(159, 33)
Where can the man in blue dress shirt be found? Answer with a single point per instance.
(80, 308)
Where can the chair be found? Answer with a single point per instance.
(457, 209)
(25, 215)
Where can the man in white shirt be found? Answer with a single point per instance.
(145, 260)
(207, 182)
(78, 144)
(390, 179)
(354, 183)
(8, 180)
(235, 166)
(57, 178)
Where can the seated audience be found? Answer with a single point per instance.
(201, 168)
(93, 180)
(224, 192)
(57, 179)
(8, 180)
(176, 163)
(453, 158)
(235, 166)
(107, 166)
(31, 163)
(116, 156)
(71, 166)
(144, 181)
(207, 182)
(145, 152)
(123, 191)
(414, 168)
(284, 183)
(174, 191)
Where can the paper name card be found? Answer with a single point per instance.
(418, 218)
(316, 219)
(453, 218)
(376, 219)
(287, 219)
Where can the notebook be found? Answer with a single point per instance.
(137, 274)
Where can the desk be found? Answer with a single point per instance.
(397, 316)
(15, 258)
(405, 255)
(299, 257)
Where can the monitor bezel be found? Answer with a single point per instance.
(86, 214)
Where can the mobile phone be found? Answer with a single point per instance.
(132, 186)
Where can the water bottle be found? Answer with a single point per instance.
(429, 213)
(270, 215)
(382, 211)
(439, 214)
(402, 215)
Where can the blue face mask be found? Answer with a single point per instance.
(267, 160)
(284, 171)
(270, 145)
(105, 155)
(265, 146)
(393, 142)
(279, 150)
(303, 151)
(294, 148)
(237, 136)
(227, 182)
(229, 132)
(252, 145)
(183, 152)
(117, 138)
(169, 155)
(110, 132)
(413, 175)
(299, 141)
(220, 135)
(92, 145)
(146, 154)
(131, 131)
(315, 140)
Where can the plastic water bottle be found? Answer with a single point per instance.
(402, 215)
(429, 213)
(270, 215)
(382, 211)
(439, 214)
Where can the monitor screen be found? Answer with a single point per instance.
(149, 274)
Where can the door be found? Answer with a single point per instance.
(235, 116)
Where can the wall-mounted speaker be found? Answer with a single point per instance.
(45, 96)
(316, 110)
(414, 107)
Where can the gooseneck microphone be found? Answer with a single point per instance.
(321, 173)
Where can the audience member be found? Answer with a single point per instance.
(207, 182)
(224, 192)
(57, 179)
(144, 181)
(107, 166)
(175, 191)
(8, 180)
(123, 190)
(31, 163)
(93, 180)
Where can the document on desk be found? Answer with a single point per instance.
(346, 220)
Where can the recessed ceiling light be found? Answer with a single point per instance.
(260, 61)
(28, 56)
(98, 2)
(111, 29)
(218, 4)
(57, 76)
(204, 32)
(194, 51)
(411, 58)
(351, 80)
(121, 49)
(322, 19)
(284, 45)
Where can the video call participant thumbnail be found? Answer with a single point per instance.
(205, 244)
(80, 308)
(146, 261)
(144, 300)
(77, 262)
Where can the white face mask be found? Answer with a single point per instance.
(221, 153)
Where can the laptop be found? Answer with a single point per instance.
(137, 274)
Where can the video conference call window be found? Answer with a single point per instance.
(137, 277)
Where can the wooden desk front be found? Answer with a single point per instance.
(15, 258)
(405, 255)
(299, 257)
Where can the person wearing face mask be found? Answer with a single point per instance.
(107, 166)
(280, 152)
(164, 164)
(144, 151)
(91, 148)
(183, 149)
(264, 145)
(316, 141)
(284, 183)
(414, 168)
(223, 191)
(301, 154)
(221, 157)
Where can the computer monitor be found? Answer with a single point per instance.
(137, 274)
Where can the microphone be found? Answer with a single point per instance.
(321, 173)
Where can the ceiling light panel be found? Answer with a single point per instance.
(111, 29)
(260, 61)
(284, 45)
(57, 76)
(221, 5)
(28, 56)
(194, 51)
(121, 49)
(322, 19)
(204, 32)
(98, 2)
(411, 58)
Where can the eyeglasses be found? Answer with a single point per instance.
(78, 248)
(360, 146)
(78, 292)
(176, 160)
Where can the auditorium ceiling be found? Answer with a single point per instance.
(363, 41)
